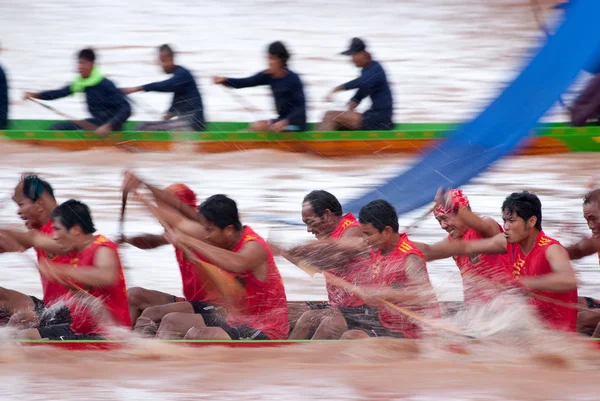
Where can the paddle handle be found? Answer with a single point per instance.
(82, 123)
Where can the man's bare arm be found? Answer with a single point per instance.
(176, 221)
(104, 272)
(562, 278)
(483, 225)
(583, 248)
(147, 241)
(252, 257)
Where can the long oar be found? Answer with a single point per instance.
(247, 106)
(122, 215)
(339, 282)
(86, 125)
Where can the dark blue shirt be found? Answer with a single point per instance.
(288, 92)
(106, 103)
(373, 83)
(186, 96)
(3, 100)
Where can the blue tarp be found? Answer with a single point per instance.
(500, 128)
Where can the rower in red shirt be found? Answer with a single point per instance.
(397, 274)
(35, 200)
(216, 233)
(97, 300)
(588, 322)
(538, 263)
(323, 216)
(148, 307)
(480, 272)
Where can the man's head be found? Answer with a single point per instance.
(72, 224)
(184, 193)
(447, 217)
(379, 224)
(278, 56)
(86, 59)
(591, 211)
(321, 212)
(221, 221)
(358, 51)
(166, 56)
(522, 215)
(33, 197)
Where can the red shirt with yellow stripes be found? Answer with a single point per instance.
(390, 271)
(535, 264)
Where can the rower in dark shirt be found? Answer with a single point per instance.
(372, 83)
(3, 100)
(287, 89)
(106, 103)
(187, 102)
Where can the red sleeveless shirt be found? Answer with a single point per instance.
(265, 306)
(535, 264)
(196, 284)
(52, 290)
(390, 269)
(337, 295)
(490, 267)
(113, 299)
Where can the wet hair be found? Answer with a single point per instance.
(87, 54)
(167, 49)
(525, 205)
(381, 214)
(592, 197)
(321, 200)
(279, 50)
(34, 187)
(221, 211)
(74, 213)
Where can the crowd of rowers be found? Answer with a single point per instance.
(232, 288)
(110, 106)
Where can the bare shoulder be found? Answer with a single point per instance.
(254, 249)
(106, 256)
(352, 232)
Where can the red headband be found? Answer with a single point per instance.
(454, 199)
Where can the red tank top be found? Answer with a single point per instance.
(265, 305)
(472, 267)
(52, 290)
(113, 299)
(390, 269)
(337, 295)
(535, 264)
(196, 285)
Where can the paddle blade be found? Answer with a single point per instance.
(311, 270)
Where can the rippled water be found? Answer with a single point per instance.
(445, 58)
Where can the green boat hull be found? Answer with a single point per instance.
(230, 136)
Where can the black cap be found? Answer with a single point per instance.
(356, 46)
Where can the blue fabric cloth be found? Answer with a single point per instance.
(501, 128)
(373, 83)
(288, 92)
(106, 103)
(3, 99)
(186, 96)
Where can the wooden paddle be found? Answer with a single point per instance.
(122, 215)
(339, 282)
(229, 288)
(82, 123)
